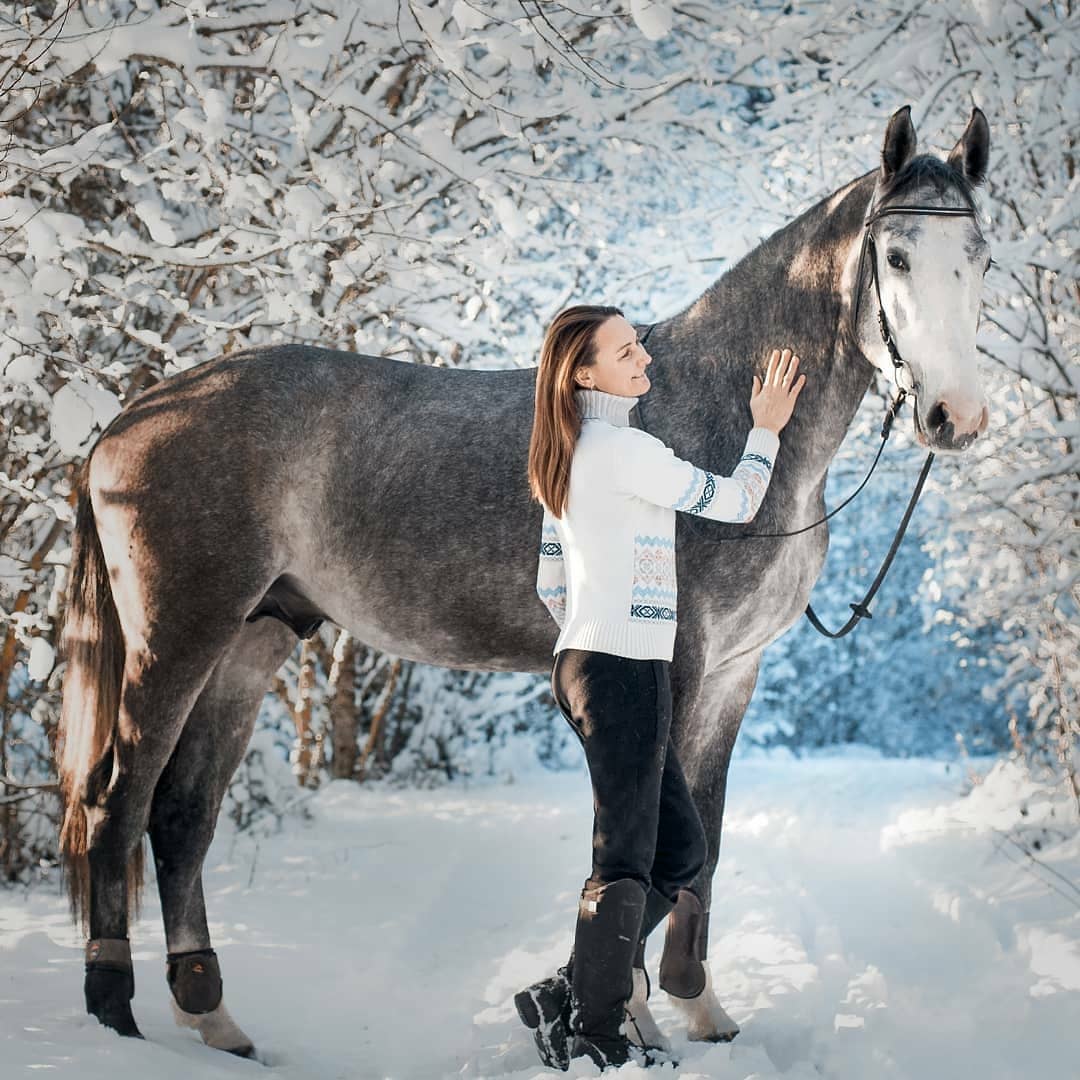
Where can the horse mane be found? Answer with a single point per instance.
(926, 170)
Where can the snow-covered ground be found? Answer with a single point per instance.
(870, 924)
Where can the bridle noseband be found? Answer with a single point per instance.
(861, 610)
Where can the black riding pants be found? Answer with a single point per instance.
(645, 824)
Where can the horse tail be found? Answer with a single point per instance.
(93, 644)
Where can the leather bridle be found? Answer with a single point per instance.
(861, 610)
(872, 216)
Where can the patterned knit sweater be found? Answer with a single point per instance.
(607, 567)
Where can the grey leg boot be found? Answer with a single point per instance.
(605, 940)
(544, 1007)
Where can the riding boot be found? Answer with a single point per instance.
(605, 940)
(544, 1007)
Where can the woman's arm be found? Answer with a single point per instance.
(646, 467)
(551, 573)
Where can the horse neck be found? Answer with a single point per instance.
(790, 291)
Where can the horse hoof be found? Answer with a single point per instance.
(706, 1018)
(122, 1022)
(718, 1037)
(108, 998)
(217, 1028)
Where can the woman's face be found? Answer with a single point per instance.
(620, 361)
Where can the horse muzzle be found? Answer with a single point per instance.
(946, 430)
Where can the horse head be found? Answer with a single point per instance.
(922, 262)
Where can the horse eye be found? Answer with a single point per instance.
(896, 260)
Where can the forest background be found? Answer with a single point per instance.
(433, 182)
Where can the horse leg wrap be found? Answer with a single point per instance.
(110, 984)
(682, 967)
(195, 980)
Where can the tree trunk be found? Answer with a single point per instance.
(378, 722)
(344, 716)
(307, 745)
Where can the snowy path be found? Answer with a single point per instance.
(870, 926)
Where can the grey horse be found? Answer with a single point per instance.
(233, 507)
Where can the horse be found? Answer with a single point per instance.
(228, 511)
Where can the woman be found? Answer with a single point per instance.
(607, 575)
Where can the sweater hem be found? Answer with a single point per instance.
(636, 642)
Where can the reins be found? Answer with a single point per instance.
(861, 610)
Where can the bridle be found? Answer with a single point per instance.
(872, 216)
(861, 610)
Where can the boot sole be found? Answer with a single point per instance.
(555, 1054)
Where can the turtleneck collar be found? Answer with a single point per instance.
(600, 405)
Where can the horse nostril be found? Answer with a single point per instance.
(937, 417)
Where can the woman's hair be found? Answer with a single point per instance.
(570, 343)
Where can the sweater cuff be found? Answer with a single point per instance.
(763, 440)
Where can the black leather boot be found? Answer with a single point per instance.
(544, 1007)
(605, 940)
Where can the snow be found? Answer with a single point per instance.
(871, 921)
(150, 212)
(653, 17)
(41, 661)
(79, 410)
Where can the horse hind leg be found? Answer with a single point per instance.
(158, 689)
(183, 816)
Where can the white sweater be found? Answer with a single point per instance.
(607, 567)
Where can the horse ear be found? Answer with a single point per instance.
(899, 146)
(971, 154)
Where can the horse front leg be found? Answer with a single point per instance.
(706, 738)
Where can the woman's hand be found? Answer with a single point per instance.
(772, 403)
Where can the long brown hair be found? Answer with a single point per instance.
(569, 343)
